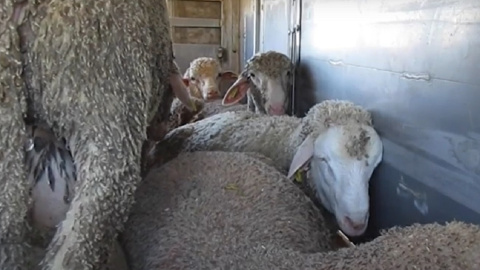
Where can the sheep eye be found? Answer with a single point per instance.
(219, 74)
(192, 78)
(251, 75)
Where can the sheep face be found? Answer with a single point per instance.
(342, 160)
(270, 74)
(274, 90)
(204, 75)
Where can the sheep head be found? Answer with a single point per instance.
(342, 154)
(204, 74)
(270, 74)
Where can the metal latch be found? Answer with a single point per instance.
(220, 53)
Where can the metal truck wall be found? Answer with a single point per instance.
(274, 25)
(247, 30)
(416, 66)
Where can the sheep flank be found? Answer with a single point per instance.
(203, 205)
(94, 71)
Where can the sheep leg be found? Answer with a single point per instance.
(13, 183)
(108, 160)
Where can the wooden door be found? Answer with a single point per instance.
(205, 28)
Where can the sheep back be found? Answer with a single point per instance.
(203, 205)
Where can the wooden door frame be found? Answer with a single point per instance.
(230, 39)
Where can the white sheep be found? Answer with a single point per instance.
(218, 210)
(266, 80)
(336, 138)
(204, 76)
(206, 204)
(181, 114)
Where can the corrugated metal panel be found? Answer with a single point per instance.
(415, 65)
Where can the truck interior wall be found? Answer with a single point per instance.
(247, 30)
(415, 66)
(274, 25)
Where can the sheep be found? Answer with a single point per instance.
(205, 204)
(266, 80)
(94, 72)
(14, 194)
(336, 139)
(52, 177)
(220, 210)
(270, 72)
(181, 115)
(273, 71)
(203, 77)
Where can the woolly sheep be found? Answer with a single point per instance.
(52, 178)
(266, 80)
(13, 199)
(219, 210)
(181, 115)
(203, 77)
(207, 204)
(273, 72)
(93, 71)
(336, 138)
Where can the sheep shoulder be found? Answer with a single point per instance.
(216, 107)
(240, 131)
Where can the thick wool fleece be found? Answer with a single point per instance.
(203, 206)
(94, 71)
(276, 137)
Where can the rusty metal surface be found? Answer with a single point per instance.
(416, 66)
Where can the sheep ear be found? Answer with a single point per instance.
(180, 90)
(303, 155)
(228, 75)
(236, 92)
(186, 81)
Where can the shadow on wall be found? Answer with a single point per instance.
(305, 89)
